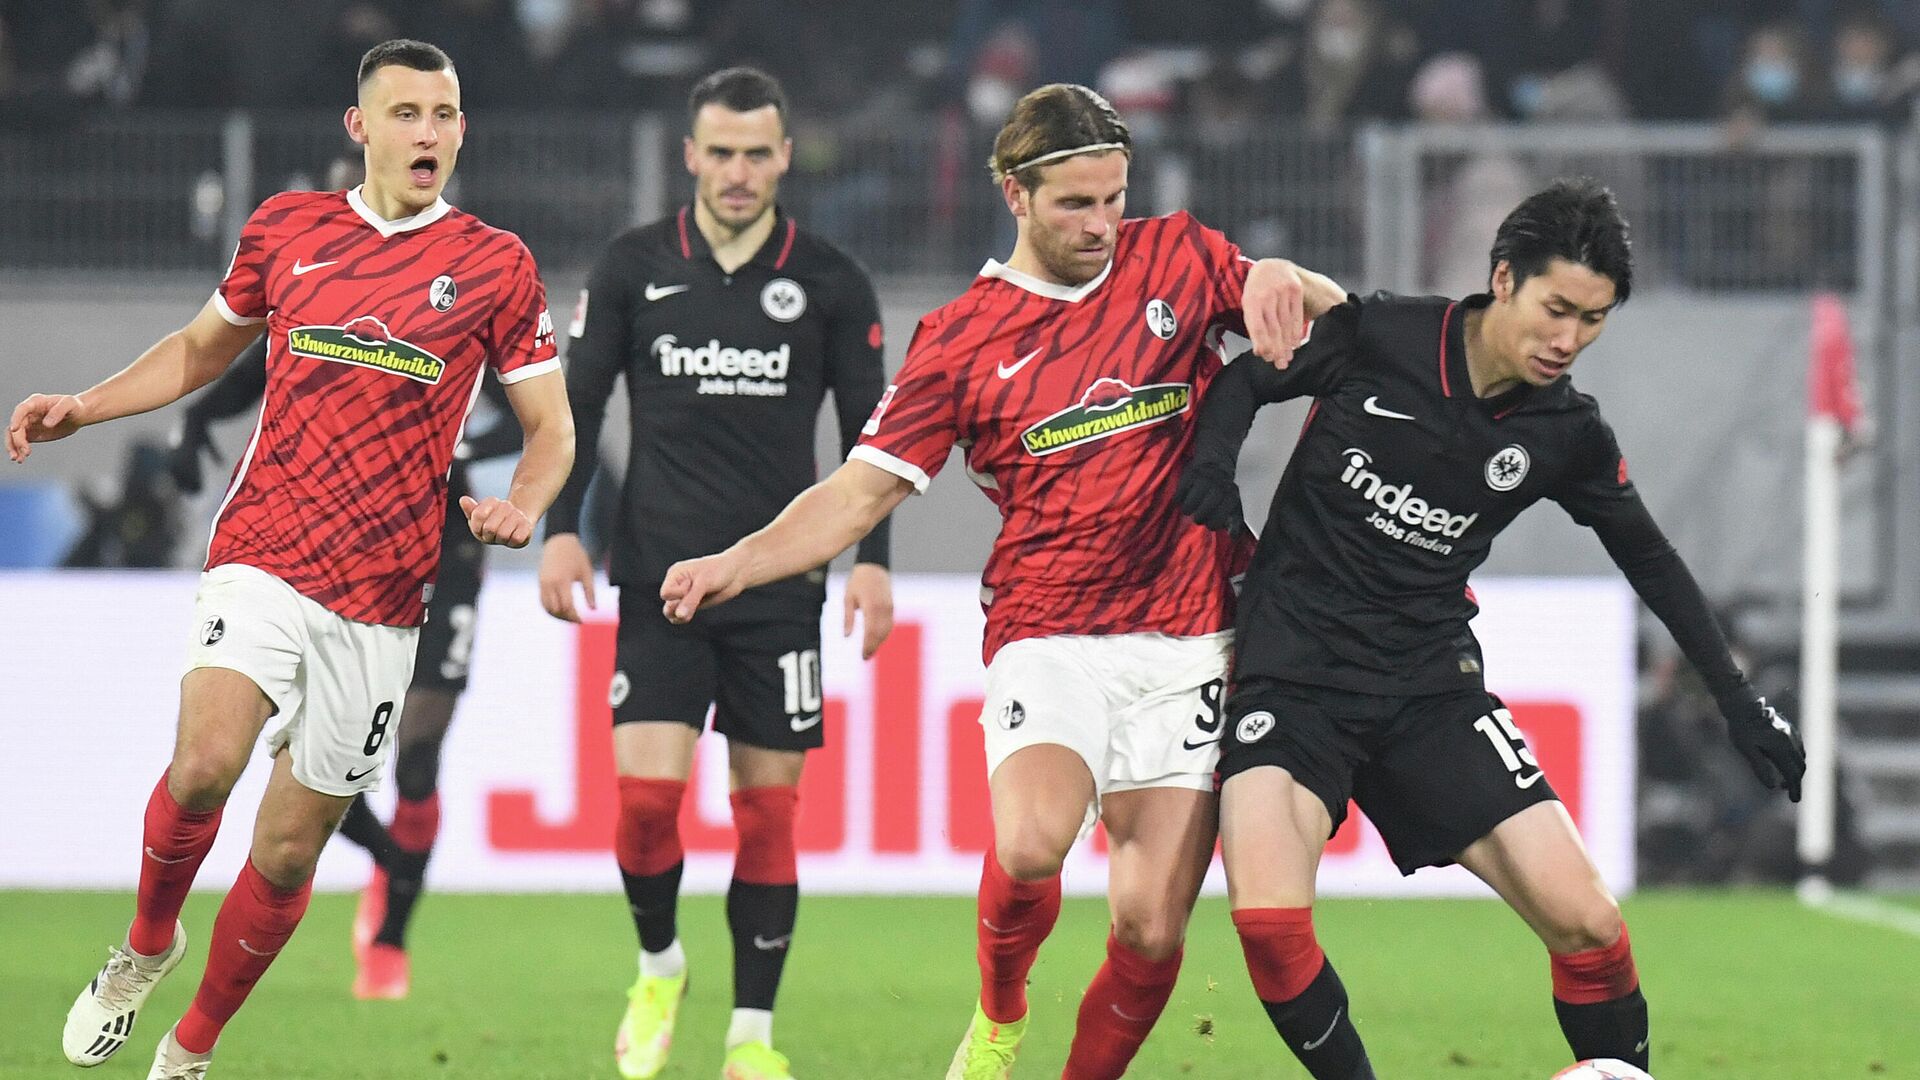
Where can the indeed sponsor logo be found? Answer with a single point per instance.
(1400, 507)
(715, 359)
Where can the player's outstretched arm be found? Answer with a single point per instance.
(174, 367)
(1767, 740)
(540, 403)
(1277, 302)
(818, 524)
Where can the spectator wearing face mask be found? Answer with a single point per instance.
(1867, 80)
(1773, 82)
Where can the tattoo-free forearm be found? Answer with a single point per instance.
(545, 462)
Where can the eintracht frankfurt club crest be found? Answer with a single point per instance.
(783, 300)
(1507, 468)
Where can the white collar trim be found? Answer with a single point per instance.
(1072, 294)
(420, 220)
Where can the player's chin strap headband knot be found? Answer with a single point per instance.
(1090, 148)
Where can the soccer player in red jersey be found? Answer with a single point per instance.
(1068, 376)
(382, 305)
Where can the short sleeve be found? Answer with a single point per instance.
(1226, 268)
(522, 331)
(912, 429)
(242, 295)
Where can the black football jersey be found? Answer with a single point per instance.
(1401, 479)
(725, 377)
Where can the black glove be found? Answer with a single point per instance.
(1770, 743)
(184, 448)
(1208, 495)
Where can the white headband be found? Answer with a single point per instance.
(1090, 148)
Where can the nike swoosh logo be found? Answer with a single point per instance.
(1641, 1047)
(766, 944)
(165, 861)
(1008, 371)
(1372, 405)
(661, 292)
(988, 923)
(299, 269)
(1130, 1019)
(1315, 1044)
(254, 951)
(802, 723)
(1191, 745)
(1524, 782)
(352, 776)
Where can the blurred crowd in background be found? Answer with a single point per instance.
(1217, 64)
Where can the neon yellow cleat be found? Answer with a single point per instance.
(646, 1031)
(987, 1051)
(755, 1061)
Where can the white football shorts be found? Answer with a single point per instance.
(337, 685)
(1142, 710)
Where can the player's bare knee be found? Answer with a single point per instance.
(200, 779)
(1029, 855)
(1155, 935)
(1593, 923)
(285, 861)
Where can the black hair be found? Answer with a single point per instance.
(1574, 219)
(741, 89)
(404, 52)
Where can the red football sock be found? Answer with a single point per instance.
(763, 822)
(416, 823)
(1015, 917)
(253, 926)
(1283, 956)
(646, 839)
(1126, 997)
(1596, 975)
(175, 843)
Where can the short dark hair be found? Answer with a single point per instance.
(1054, 118)
(404, 52)
(1575, 219)
(741, 89)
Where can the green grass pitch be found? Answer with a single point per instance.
(1744, 986)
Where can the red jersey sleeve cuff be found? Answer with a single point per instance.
(232, 316)
(905, 470)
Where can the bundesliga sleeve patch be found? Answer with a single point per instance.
(578, 325)
(872, 426)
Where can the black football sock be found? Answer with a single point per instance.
(1607, 1029)
(1318, 1027)
(761, 918)
(654, 901)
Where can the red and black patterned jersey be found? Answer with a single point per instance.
(1074, 409)
(377, 334)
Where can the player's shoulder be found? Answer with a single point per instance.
(1180, 225)
(285, 205)
(659, 236)
(816, 254)
(469, 227)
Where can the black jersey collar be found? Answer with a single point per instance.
(773, 254)
(1455, 380)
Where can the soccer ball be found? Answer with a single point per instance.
(1601, 1069)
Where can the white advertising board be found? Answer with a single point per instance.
(895, 804)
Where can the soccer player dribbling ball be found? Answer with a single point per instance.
(1435, 423)
(382, 304)
(1068, 376)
